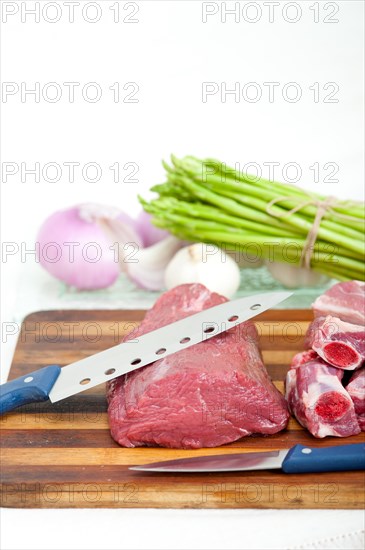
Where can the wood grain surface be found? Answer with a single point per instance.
(62, 455)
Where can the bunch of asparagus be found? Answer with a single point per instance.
(206, 201)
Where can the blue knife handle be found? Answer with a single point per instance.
(301, 459)
(31, 388)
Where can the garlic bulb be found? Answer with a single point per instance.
(292, 276)
(206, 264)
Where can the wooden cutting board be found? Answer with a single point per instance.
(62, 455)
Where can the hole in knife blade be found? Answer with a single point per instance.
(135, 361)
(160, 351)
(109, 371)
(185, 340)
(255, 306)
(208, 330)
(233, 318)
(85, 381)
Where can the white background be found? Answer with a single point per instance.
(169, 53)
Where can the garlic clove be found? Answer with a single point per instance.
(292, 276)
(147, 266)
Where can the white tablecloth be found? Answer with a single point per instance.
(182, 529)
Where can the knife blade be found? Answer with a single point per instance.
(298, 459)
(55, 383)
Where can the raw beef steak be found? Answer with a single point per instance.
(318, 400)
(212, 393)
(356, 390)
(344, 300)
(339, 343)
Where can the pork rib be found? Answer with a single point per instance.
(206, 395)
(339, 343)
(303, 357)
(318, 400)
(344, 300)
(356, 390)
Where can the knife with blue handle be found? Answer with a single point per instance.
(297, 460)
(31, 388)
(55, 383)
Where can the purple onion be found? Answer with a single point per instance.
(92, 262)
(149, 233)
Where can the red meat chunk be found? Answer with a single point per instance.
(212, 393)
(318, 400)
(344, 300)
(356, 390)
(339, 343)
